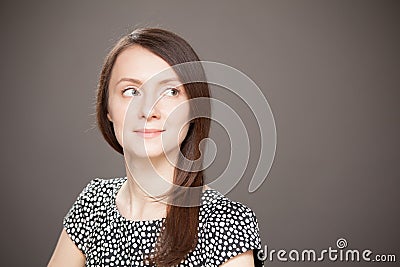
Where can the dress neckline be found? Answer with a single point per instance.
(120, 217)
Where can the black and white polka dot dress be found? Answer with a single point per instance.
(226, 229)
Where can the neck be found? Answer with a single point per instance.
(147, 179)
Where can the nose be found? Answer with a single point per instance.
(149, 108)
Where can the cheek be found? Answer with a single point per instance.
(183, 133)
(182, 124)
(117, 112)
(179, 116)
(176, 121)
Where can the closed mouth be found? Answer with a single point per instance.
(149, 131)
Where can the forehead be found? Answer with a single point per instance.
(140, 63)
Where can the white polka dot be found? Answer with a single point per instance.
(226, 228)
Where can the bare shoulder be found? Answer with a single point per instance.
(243, 259)
(66, 253)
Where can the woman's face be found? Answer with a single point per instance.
(157, 110)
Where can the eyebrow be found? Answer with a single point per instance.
(167, 80)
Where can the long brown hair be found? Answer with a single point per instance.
(178, 235)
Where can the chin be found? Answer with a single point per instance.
(150, 153)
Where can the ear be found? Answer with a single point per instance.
(109, 117)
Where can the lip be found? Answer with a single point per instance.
(149, 133)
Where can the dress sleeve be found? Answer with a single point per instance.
(79, 219)
(231, 230)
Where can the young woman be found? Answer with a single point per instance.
(117, 222)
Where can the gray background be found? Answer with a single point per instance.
(329, 69)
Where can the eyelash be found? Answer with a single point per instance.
(129, 88)
(136, 90)
(175, 89)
